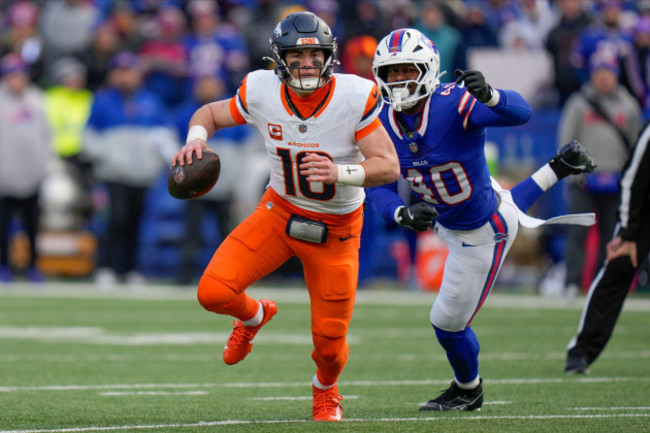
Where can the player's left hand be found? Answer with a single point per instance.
(319, 168)
(475, 84)
(418, 216)
(617, 247)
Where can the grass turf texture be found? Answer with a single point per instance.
(73, 360)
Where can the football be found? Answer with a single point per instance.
(196, 179)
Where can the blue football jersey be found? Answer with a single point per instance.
(441, 153)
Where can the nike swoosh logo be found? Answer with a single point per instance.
(345, 239)
(468, 245)
(375, 93)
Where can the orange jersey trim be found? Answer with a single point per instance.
(344, 219)
(371, 103)
(309, 103)
(363, 132)
(234, 111)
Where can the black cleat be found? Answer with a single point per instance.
(455, 398)
(576, 365)
(572, 158)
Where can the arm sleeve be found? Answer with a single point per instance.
(384, 200)
(511, 110)
(635, 187)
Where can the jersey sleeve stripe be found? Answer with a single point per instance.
(241, 94)
(234, 111)
(469, 111)
(367, 129)
(371, 102)
(463, 102)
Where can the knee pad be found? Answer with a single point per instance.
(213, 293)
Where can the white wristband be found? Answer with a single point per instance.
(494, 100)
(196, 131)
(351, 174)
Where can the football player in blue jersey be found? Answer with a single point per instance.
(439, 134)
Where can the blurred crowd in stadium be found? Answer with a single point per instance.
(96, 96)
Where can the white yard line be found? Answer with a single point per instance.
(301, 421)
(350, 383)
(295, 295)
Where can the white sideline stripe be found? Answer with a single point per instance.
(295, 295)
(515, 381)
(613, 408)
(404, 357)
(306, 397)
(120, 394)
(301, 421)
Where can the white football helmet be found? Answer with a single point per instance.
(407, 46)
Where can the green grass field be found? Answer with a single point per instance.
(77, 360)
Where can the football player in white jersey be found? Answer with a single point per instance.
(324, 143)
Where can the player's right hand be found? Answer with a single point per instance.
(184, 155)
(418, 216)
(475, 84)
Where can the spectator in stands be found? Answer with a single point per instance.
(97, 57)
(605, 118)
(256, 27)
(431, 21)
(218, 201)
(364, 17)
(67, 27)
(25, 149)
(23, 37)
(476, 30)
(124, 21)
(636, 65)
(164, 57)
(530, 28)
(358, 53)
(128, 141)
(606, 33)
(67, 104)
(561, 38)
(215, 46)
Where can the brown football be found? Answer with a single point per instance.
(196, 179)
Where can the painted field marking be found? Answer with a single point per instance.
(174, 393)
(427, 382)
(290, 398)
(301, 421)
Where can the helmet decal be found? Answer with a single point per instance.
(396, 38)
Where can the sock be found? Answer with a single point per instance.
(525, 193)
(319, 385)
(257, 318)
(471, 385)
(462, 352)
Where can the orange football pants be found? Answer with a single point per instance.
(259, 245)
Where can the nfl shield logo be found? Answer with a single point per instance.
(302, 128)
(178, 174)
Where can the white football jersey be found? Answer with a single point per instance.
(347, 114)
